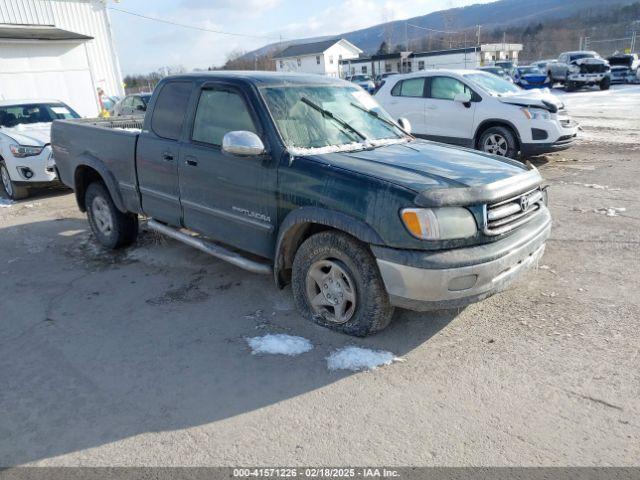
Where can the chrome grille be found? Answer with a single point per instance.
(504, 216)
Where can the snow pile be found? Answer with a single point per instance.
(348, 147)
(5, 203)
(356, 358)
(279, 344)
(611, 211)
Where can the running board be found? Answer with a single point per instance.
(211, 248)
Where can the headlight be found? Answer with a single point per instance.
(536, 114)
(574, 69)
(21, 151)
(445, 223)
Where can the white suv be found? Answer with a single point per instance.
(25, 150)
(479, 110)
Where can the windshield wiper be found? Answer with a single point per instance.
(375, 114)
(330, 115)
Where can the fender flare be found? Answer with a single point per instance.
(295, 225)
(502, 121)
(88, 160)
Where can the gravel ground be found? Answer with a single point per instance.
(140, 357)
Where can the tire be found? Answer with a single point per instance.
(11, 190)
(499, 141)
(605, 84)
(570, 86)
(331, 265)
(110, 226)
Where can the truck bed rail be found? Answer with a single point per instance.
(122, 123)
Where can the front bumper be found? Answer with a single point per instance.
(423, 281)
(587, 78)
(533, 149)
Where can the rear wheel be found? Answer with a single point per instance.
(605, 84)
(111, 227)
(499, 141)
(12, 191)
(336, 284)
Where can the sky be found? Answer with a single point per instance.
(144, 45)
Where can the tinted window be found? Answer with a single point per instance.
(220, 112)
(13, 115)
(171, 106)
(446, 88)
(413, 87)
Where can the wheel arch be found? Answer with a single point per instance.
(300, 224)
(495, 122)
(91, 169)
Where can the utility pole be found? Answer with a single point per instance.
(478, 33)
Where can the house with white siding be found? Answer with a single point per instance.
(322, 58)
(58, 49)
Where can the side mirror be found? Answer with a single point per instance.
(242, 143)
(405, 124)
(464, 98)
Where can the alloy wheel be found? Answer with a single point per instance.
(102, 215)
(331, 291)
(496, 144)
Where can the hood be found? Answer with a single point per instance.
(421, 165)
(534, 77)
(534, 98)
(32, 135)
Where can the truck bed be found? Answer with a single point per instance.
(107, 145)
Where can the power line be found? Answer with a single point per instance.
(192, 27)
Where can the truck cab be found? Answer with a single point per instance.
(307, 178)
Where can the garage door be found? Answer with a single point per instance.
(48, 70)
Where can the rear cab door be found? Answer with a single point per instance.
(158, 152)
(230, 198)
(407, 100)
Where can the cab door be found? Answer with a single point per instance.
(448, 120)
(229, 198)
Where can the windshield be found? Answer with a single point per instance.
(490, 83)
(14, 115)
(578, 56)
(625, 61)
(295, 111)
(360, 78)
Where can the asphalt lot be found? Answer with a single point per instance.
(140, 357)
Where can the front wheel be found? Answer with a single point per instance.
(111, 227)
(499, 141)
(12, 191)
(336, 284)
(605, 84)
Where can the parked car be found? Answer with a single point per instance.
(580, 69)
(380, 79)
(25, 150)
(134, 104)
(497, 71)
(507, 65)
(365, 81)
(529, 77)
(479, 110)
(624, 67)
(108, 102)
(307, 179)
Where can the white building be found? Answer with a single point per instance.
(58, 49)
(322, 58)
(405, 62)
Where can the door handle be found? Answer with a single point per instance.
(168, 156)
(431, 107)
(191, 160)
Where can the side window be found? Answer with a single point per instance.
(135, 101)
(446, 88)
(413, 87)
(127, 101)
(170, 109)
(220, 112)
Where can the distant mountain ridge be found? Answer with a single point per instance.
(502, 13)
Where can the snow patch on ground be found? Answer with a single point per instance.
(357, 358)
(279, 344)
(5, 203)
(611, 211)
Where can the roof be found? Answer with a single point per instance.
(260, 78)
(36, 32)
(26, 101)
(398, 55)
(314, 48)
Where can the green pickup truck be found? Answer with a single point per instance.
(306, 178)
